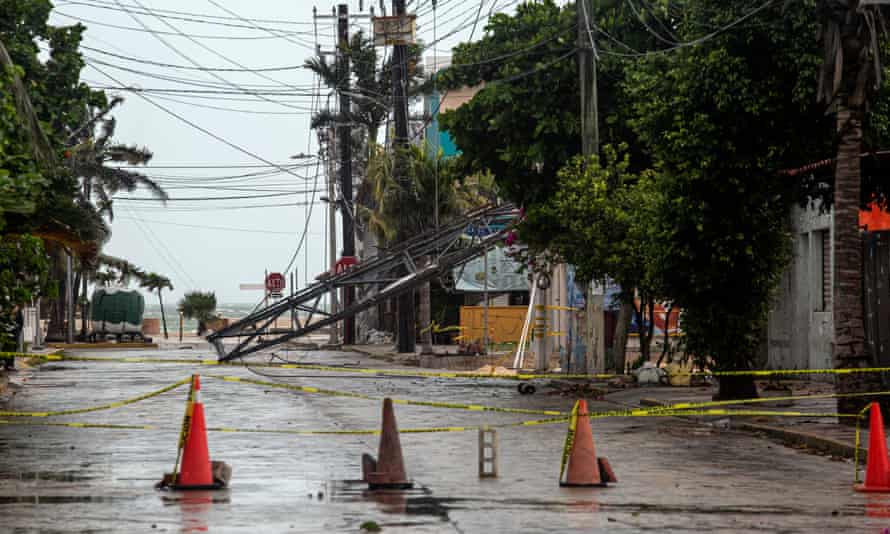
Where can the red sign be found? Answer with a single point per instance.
(274, 282)
(344, 263)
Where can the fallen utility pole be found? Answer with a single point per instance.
(449, 246)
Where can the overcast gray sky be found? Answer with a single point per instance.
(215, 245)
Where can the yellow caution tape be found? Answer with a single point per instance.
(672, 410)
(430, 404)
(364, 370)
(629, 413)
(109, 406)
(570, 439)
(186, 427)
(78, 425)
(710, 404)
(457, 374)
(437, 329)
(857, 443)
(280, 431)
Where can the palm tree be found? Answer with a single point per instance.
(388, 211)
(372, 91)
(198, 305)
(851, 33)
(93, 149)
(156, 282)
(90, 157)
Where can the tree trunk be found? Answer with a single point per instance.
(619, 345)
(665, 349)
(163, 317)
(426, 333)
(850, 349)
(647, 332)
(55, 330)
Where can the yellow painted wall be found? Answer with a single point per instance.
(504, 323)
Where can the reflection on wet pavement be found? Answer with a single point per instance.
(674, 476)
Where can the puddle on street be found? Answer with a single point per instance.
(57, 499)
(52, 476)
(418, 501)
(195, 497)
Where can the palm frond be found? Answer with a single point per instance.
(326, 71)
(131, 154)
(115, 180)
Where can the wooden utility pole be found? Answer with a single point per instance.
(345, 139)
(587, 77)
(407, 337)
(587, 56)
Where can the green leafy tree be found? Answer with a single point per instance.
(58, 114)
(523, 125)
(602, 222)
(200, 306)
(719, 119)
(156, 282)
(24, 270)
(522, 131)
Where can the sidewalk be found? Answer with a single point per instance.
(822, 434)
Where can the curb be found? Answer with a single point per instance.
(786, 436)
(399, 358)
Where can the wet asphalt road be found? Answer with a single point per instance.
(673, 476)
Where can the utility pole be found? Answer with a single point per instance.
(407, 338)
(345, 142)
(332, 231)
(485, 339)
(587, 56)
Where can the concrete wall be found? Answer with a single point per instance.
(800, 324)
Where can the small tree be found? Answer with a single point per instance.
(600, 220)
(198, 305)
(156, 282)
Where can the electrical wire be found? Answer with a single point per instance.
(186, 13)
(205, 47)
(205, 130)
(187, 67)
(197, 18)
(203, 199)
(206, 227)
(163, 251)
(192, 35)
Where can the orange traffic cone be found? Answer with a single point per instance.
(196, 471)
(584, 468)
(877, 467)
(388, 471)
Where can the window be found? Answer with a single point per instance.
(820, 267)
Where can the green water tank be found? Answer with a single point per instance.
(117, 311)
